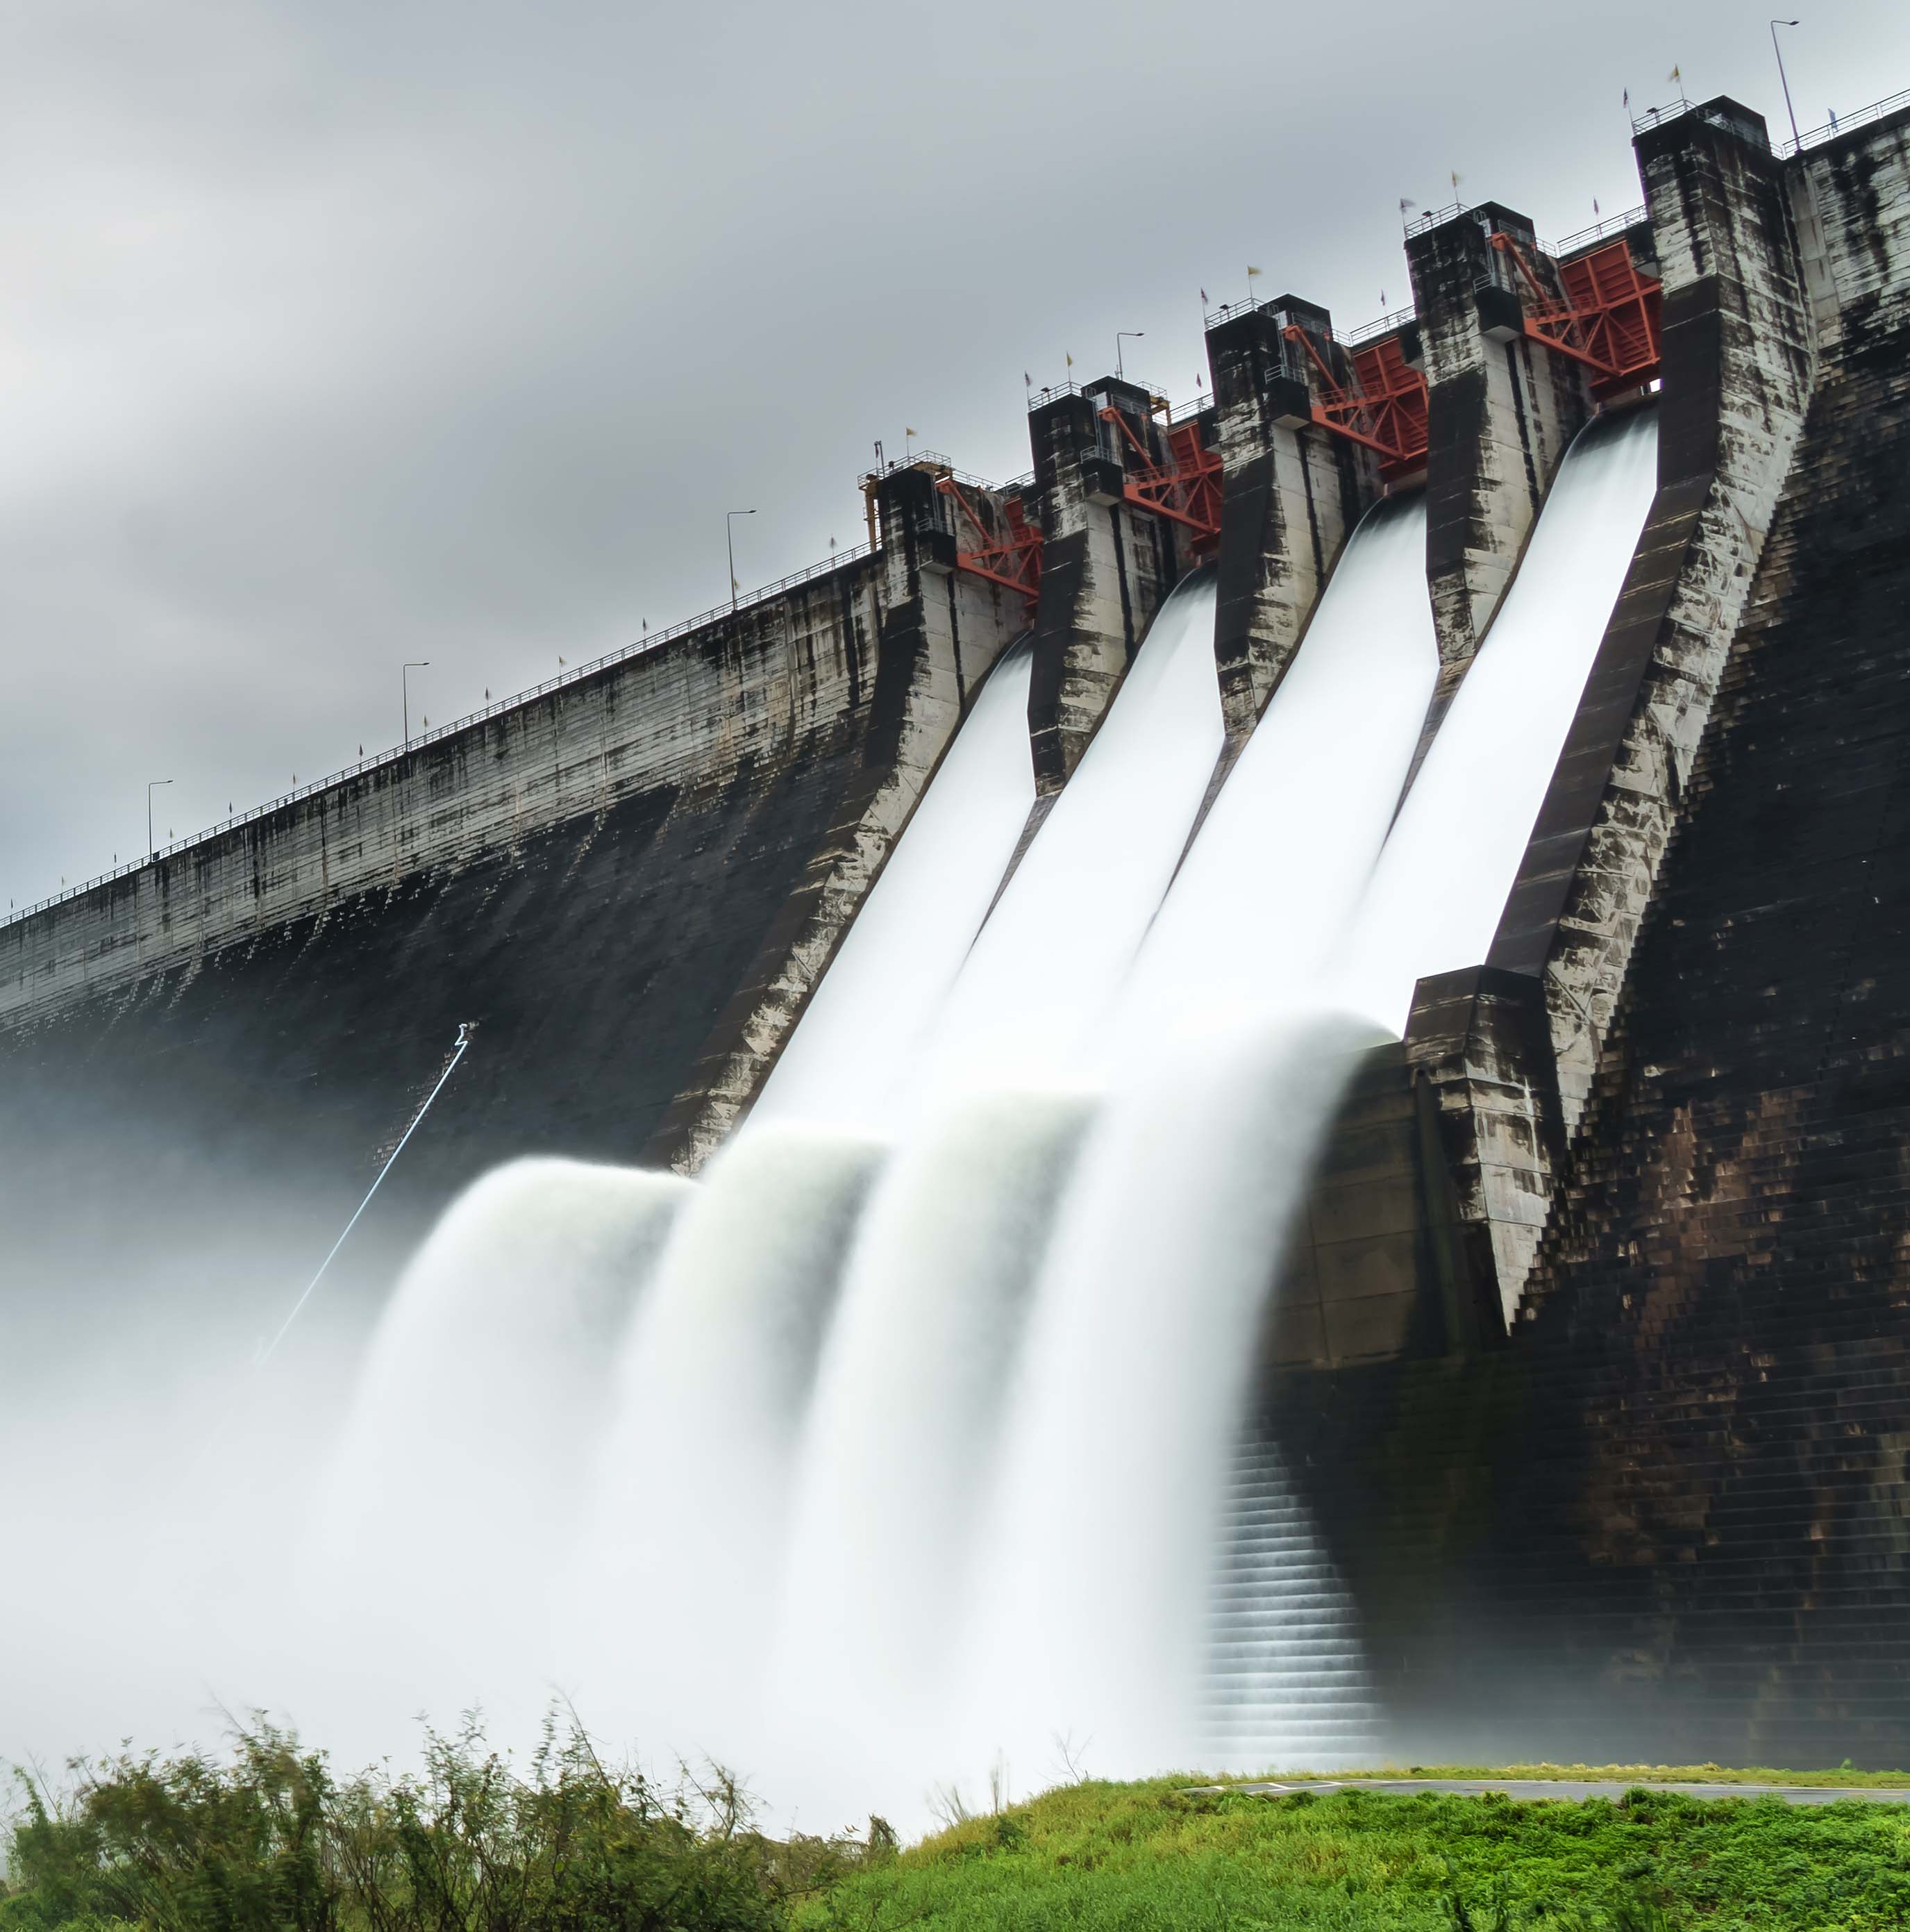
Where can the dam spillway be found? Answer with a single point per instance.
(1088, 1331)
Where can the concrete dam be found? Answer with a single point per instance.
(1241, 1103)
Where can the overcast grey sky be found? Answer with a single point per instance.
(338, 334)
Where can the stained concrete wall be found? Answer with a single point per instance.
(1501, 410)
(628, 884)
(1663, 1519)
(1290, 494)
(1106, 566)
(1738, 362)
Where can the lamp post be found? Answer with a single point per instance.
(404, 681)
(1122, 335)
(1797, 140)
(730, 539)
(150, 784)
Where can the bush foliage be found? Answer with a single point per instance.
(265, 1840)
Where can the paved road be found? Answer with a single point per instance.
(1566, 1788)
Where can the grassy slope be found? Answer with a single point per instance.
(1102, 1857)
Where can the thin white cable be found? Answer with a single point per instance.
(463, 1041)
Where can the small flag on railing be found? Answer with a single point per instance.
(1454, 177)
(1628, 98)
(1071, 360)
(1027, 381)
(1203, 298)
(560, 658)
(1675, 75)
(1251, 272)
(1597, 213)
(911, 432)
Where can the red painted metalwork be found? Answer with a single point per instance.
(1609, 320)
(1010, 556)
(1383, 407)
(1185, 488)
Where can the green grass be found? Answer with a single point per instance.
(1102, 1857)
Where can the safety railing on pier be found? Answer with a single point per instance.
(1387, 324)
(1891, 103)
(1434, 218)
(1838, 124)
(572, 675)
(1612, 224)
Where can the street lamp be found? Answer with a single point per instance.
(404, 680)
(730, 537)
(1121, 335)
(1796, 140)
(150, 784)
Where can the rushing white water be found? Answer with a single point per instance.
(684, 1549)
(1267, 888)
(900, 1443)
(860, 1031)
(1046, 968)
(1451, 858)
(453, 1490)
(1089, 1607)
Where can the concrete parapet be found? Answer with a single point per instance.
(1105, 567)
(1290, 494)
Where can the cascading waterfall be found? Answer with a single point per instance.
(1046, 967)
(1088, 1615)
(1133, 1381)
(1266, 890)
(861, 1031)
(455, 1489)
(937, 1445)
(901, 1435)
(677, 1575)
(1453, 853)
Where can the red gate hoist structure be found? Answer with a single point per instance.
(1383, 408)
(1184, 487)
(1609, 320)
(1010, 556)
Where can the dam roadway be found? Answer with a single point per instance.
(1568, 1789)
